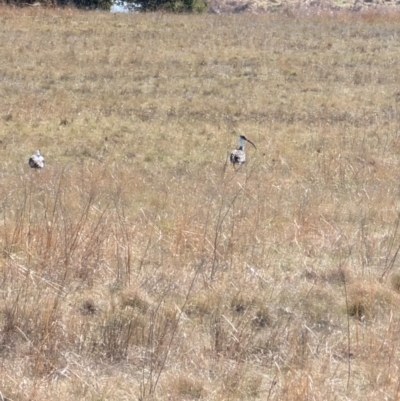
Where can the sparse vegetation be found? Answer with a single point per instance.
(139, 265)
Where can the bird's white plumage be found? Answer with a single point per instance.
(36, 160)
(238, 156)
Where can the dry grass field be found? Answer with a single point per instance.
(302, 7)
(139, 265)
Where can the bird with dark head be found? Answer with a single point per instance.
(238, 156)
(36, 161)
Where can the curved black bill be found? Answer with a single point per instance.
(251, 143)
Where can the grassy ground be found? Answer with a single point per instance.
(302, 7)
(139, 265)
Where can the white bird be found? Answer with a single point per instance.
(238, 156)
(36, 160)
